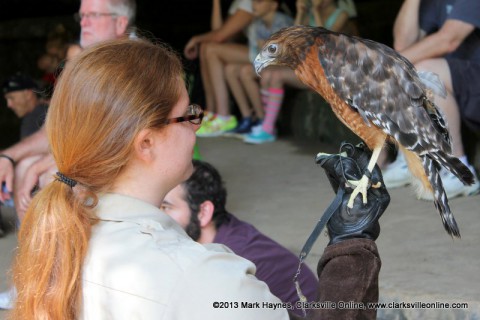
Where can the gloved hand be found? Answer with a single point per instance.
(362, 220)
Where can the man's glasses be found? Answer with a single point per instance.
(92, 15)
(194, 115)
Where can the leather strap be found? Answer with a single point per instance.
(337, 201)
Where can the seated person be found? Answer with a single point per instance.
(214, 49)
(22, 95)
(442, 36)
(322, 13)
(241, 77)
(198, 205)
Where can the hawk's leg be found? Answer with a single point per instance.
(363, 184)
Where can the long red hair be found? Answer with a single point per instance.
(104, 97)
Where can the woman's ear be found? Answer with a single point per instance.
(144, 144)
(205, 214)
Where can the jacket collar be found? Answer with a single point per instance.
(118, 207)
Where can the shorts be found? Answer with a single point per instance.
(466, 85)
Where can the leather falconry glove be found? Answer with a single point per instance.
(362, 220)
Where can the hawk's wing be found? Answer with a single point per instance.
(385, 89)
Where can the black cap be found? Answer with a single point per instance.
(18, 82)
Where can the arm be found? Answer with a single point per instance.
(440, 43)
(35, 144)
(406, 29)
(38, 174)
(351, 257)
(216, 21)
(234, 24)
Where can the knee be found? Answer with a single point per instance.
(425, 65)
(246, 72)
(230, 71)
(209, 49)
(23, 165)
(272, 77)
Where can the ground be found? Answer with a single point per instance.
(279, 188)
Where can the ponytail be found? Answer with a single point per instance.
(53, 241)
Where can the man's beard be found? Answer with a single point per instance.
(193, 228)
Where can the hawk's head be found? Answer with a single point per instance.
(287, 47)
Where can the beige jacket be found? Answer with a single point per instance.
(142, 265)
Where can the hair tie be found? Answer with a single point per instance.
(69, 182)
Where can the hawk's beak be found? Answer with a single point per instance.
(261, 63)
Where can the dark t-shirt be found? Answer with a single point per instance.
(32, 121)
(434, 13)
(464, 63)
(276, 265)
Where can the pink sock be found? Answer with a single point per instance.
(272, 108)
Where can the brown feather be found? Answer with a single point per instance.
(370, 134)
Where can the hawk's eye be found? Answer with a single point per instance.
(272, 48)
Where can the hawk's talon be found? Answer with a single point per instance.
(377, 185)
(361, 187)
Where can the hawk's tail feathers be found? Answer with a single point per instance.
(455, 166)
(440, 197)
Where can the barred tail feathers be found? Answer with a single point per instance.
(439, 196)
(426, 170)
(455, 166)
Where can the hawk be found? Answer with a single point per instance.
(378, 94)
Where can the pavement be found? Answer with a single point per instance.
(278, 188)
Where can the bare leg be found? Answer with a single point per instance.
(218, 55)
(207, 83)
(252, 88)
(448, 105)
(273, 80)
(232, 74)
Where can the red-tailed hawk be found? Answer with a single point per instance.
(379, 95)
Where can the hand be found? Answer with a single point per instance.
(36, 177)
(362, 220)
(6, 177)
(191, 49)
(302, 6)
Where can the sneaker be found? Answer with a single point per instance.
(7, 298)
(243, 128)
(396, 174)
(258, 127)
(217, 127)
(259, 137)
(207, 118)
(454, 187)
